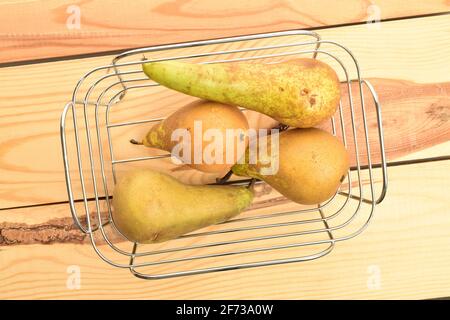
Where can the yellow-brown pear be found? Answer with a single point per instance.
(310, 167)
(197, 118)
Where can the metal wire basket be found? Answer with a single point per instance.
(274, 230)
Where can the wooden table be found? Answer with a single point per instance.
(406, 56)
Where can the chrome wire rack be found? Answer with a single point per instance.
(274, 231)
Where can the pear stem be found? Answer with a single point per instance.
(282, 127)
(133, 141)
(251, 184)
(225, 178)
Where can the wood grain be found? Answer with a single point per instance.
(106, 26)
(405, 245)
(410, 88)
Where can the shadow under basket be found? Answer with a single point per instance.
(96, 151)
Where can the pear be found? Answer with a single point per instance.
(307, 168)
(151, 206)
(299, 93)
(197, 119)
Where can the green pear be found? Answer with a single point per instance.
(151, 206)
(299, 93)
(310, 165)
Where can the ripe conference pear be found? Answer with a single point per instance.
(299, 93)
(312, 165)
(197, 118)
(151, 206)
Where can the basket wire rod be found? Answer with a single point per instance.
(384, 168)
(219, 41)
(230, 253)
(132, 256)
(88, 102)
(167, 155)
(84, 101)
(381, 140)
(327, 226)
(382, 148)
(123, 124)
(264, 226)
(341, 117)
(238, 241)
(230, 242)
(67, 168)
(230, 267)
(333, 126)
(80, 169)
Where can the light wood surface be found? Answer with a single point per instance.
(406, 245)
(59, 28)
(402, 254)
(414, 85)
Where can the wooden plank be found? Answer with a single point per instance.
(400, 255)
(78, 27)
(414, 93)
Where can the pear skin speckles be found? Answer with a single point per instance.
(300, 92)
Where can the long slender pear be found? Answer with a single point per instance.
(300, 92)
(151, 206)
